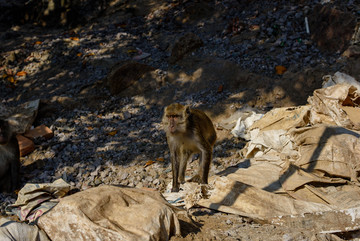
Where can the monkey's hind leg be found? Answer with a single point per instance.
(202, 176)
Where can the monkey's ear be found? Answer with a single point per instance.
(187, 110)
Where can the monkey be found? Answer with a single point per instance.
(9, 158)
(188, 131)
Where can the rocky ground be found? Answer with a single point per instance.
(103, 85)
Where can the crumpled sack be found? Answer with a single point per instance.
(22, 117)
(111, 213)
(244, 123)
(15, 231)
(336, 105)
(340, 78)
(36, 199)
(300, 162)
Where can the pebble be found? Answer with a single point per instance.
(82, 152)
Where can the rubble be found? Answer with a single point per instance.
(104, 138)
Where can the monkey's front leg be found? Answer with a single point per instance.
(174, 155)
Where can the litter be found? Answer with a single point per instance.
(301, 165)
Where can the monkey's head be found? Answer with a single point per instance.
(4, 132)
(174, 119)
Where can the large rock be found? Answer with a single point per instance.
(352, 66)
(184, 45)
(194, 11)
(331, 28)
(124, 75)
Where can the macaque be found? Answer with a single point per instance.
(9, 158)
(188, 131)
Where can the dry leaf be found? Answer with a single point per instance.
(74, 38)
(90, 128)
(89, 54)
(280, 69)
(254, 27)
(148, 163)
(11, 79)
(160, 159)
(79, 54)
(220, 88)
(38, 42)
(21, 73)
(112, 133)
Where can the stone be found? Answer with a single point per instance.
(184, 45)
(26, 145)
(352, 51)
(331, 28)
(122, 76)
(195, 11)
(39, 131)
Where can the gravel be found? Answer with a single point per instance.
(113, 143)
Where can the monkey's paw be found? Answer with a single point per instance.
(197, 179)
(175, 189)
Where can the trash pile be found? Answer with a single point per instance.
(99, 213)
(299, 160)
(300, 167)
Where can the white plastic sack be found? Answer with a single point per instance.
(340, 78)
(244, 123)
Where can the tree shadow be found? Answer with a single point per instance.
(76, 60)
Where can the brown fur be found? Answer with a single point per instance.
(188, 131)
(9, 159)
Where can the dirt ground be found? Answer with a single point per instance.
(243, 87)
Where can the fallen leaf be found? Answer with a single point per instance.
(132, 51)
(220, 88)
(79, 54)
(254, 27)
(148, 163)
(112, 133)
(38, 42)
(160, 159)
(74, 38)
(90, 128)
(280, 69)
(11, 79)
(89, 54)
(21, 73)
